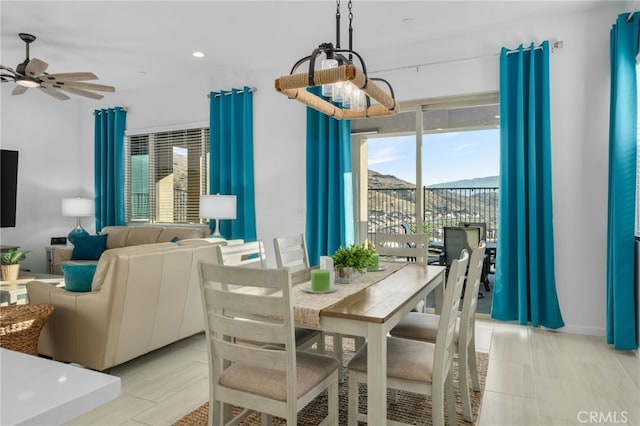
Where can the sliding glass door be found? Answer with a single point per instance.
(448, 148)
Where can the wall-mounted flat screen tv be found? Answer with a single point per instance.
(8, 187)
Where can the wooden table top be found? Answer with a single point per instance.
(381, 300)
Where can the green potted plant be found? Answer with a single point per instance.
(10, 266)
(351, 261)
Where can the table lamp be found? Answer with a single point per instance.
(217, 207)
(77, 207)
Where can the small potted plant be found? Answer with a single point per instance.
(350, 262)
(10, 266)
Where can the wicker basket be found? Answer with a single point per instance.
(20, 326)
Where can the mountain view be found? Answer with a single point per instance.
(391, 203)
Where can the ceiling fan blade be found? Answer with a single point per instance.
(79, 85)
(70, 76)
(19, 90)
(54, 92)
(3, 67)
(35, 67)
(7, 77)
(81, 92)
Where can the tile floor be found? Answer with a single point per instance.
(535, 377)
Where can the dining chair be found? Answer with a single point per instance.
(404, 247)
(487, 259)
(415, 366)
(275, 379)
(291, 252)
(252, 255)
(413, 247)
(424, 327)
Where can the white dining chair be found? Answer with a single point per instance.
(291, 252)
(403, 248)
(424, 327)
(275, 379)
(415, 366)
(252, 255)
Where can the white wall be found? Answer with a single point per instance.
(59, 135)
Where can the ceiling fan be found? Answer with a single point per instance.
(31, 73)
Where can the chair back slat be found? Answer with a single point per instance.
(249, 254)
(403, 247)
(291, 252)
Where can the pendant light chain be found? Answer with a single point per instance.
(350, 27)
(337, 24)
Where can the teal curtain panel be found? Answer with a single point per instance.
(525, 288)
(109, 126)
(330, 222)
(621, 309)
(231, 158)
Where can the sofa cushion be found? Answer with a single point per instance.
(117, 235)
(89, 247)
(78, 277)
(143, 235)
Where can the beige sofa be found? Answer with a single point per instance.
(124, 236)
(142, 297)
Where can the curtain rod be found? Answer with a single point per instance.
(630, 17)
(556, 45)
(229, 92)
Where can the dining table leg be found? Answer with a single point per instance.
(377, 374)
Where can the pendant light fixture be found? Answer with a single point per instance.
(347, 90)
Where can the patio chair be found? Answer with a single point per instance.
(415, 366)
(424, 327)
(274, 379)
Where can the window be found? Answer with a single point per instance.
(166, 172)
(449, 147)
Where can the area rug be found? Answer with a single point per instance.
(411, 408)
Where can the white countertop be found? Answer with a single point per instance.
(39, 391)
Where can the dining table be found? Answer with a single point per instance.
(370, 307)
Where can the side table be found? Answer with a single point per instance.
(49, 251)
(15, 292)
(20, 326)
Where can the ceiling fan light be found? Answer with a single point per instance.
(24, 82)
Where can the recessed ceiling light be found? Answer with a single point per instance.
(198, 54)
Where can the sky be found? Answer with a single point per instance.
(446, 157)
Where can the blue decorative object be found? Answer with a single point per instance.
(175, 239)
(76, 233)
(77, 207)
(78, 277)
(89, 248)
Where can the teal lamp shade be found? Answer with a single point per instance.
(77, 207)
(217, 207)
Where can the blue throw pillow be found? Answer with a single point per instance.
(78, 277)
(89, 248)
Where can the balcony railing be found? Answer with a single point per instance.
(393, 210)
